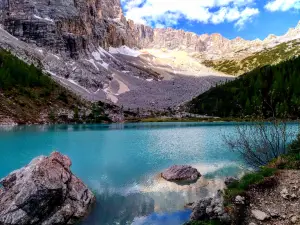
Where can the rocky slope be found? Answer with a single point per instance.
(79, 44)
(278, 205)
(90, 48)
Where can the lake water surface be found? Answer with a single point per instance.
(121, 163)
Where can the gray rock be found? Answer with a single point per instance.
(44, 192)
(181, 174)
(260, 215)
(239, 200)
(274, 214)
(200, 209)
(211, 209)
(294, 219)
(294, 196)
(284, 193)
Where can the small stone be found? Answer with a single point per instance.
(294, 219)
(239, 200)
(294, 188)
(294, 196)
(260, 215)
(284, 193)
(274, 214)
(252, 223)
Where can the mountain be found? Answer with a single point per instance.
(269, 91)
(29, 96)
(89, 47)
(278, 49)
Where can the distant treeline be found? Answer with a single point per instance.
(16, 73)
(25, 92)
(269, 91)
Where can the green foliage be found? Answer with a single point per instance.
(239, 187)
(98, 113)
(270, 91)
(16, 73)
(27, 94)
(63, 97)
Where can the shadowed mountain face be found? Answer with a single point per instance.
(90, 48)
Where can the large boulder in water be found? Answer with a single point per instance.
(44, 192)
(181, 174)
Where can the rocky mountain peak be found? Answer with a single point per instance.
(270, 37)
(72, 39)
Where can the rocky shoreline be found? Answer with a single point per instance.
(46, 192)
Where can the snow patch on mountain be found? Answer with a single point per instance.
(124, 50)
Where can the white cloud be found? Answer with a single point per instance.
(163, 13)
(282, 5)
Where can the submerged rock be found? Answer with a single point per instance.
(260, 215)
(181, 174)
(44, 192)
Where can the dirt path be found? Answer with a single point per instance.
(280, 205)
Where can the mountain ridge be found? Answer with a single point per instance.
(83, 46)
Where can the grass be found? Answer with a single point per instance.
(239, 187)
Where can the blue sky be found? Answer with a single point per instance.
(249, 19)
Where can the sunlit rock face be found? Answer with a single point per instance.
(70, 26)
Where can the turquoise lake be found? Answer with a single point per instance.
(121, 164)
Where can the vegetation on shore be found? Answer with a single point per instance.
(267, 92)
(188, 119)
(266, 147)
(255, 178)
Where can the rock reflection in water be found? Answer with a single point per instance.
(176, 218)
(171, 197)
(118, 209)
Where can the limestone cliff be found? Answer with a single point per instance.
(92, 49)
